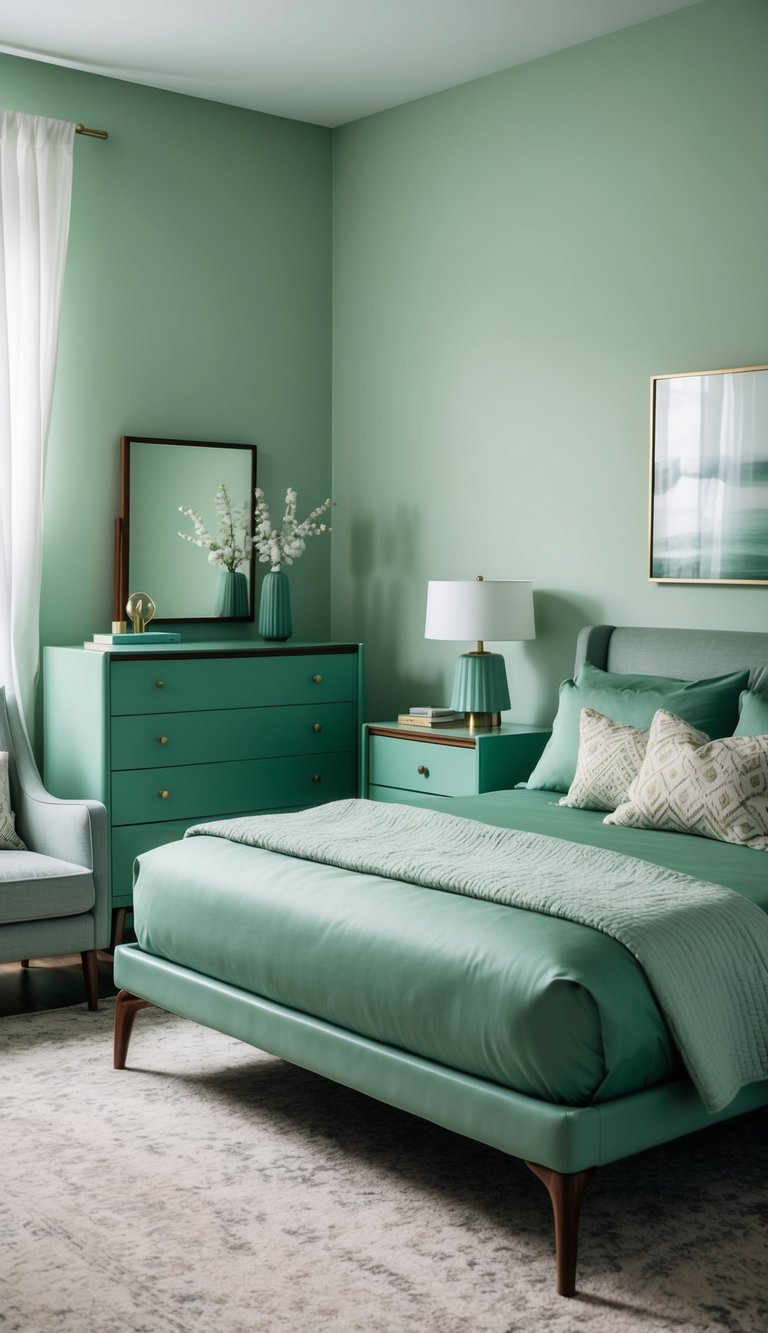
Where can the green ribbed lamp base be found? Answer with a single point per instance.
(480, 689)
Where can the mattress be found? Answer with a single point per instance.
(546, 1007)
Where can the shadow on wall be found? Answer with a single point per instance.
(551, 654)
(383, 556)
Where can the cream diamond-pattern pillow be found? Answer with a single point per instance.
(9, 838)
(610, 758)
(690, 784)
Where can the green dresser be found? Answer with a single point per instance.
(171, 736)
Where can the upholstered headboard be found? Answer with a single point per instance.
(690, 654)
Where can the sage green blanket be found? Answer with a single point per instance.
(704, 949)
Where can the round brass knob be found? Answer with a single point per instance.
(317, 726)
(162, 740)
(423, 770)
(159, 684)
(315, 777)
(164, 794)
(317, 679)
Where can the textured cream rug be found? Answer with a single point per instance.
(212, 1189)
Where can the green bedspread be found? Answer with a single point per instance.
(703, 948)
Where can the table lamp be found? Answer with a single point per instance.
(480, 609)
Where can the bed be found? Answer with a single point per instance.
(537, 1034)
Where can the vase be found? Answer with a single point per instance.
(232, 595)
(275, 607)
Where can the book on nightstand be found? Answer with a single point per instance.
(441, 718)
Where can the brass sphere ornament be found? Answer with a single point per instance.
(140, 609)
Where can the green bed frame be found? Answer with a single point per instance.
(563, 1145)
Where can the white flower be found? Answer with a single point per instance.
(281, 546)
(234, 544)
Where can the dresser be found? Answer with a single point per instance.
(172, 736)
(406, 763)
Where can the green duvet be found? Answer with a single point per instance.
(551, 1008)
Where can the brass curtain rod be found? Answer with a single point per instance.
(91, 134)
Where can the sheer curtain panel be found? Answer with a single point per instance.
(35, 193)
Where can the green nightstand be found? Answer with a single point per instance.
(402, 763)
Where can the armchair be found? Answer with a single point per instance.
(54, 896)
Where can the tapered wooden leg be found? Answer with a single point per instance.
(126, 1008)
(91, 973)
(566, 1191)
(25, 962)
(118, 926)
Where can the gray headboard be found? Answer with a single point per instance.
(690, 654)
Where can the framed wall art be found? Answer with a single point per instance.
(709, 477)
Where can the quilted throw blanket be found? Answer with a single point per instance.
(704, 949)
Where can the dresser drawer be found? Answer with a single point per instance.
(129, 842)
(159, 740)
(443, 770)
(208, 791)
(169, 685)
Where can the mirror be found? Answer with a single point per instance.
(157, 476)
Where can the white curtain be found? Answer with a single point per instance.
(35, 193)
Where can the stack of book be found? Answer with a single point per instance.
(103, 643)
(431, 717)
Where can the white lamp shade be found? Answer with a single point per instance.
(498, 611)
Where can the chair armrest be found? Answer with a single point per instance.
(72, 830)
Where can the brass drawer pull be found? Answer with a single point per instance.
(162, 740)
(164, 794)
(317, 726)
(423, 771)
(159, 684)
(317, 679)
(315, 777)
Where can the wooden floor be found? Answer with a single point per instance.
(49, 983)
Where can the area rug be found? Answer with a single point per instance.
(209, 1187)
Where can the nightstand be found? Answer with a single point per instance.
(403, 763)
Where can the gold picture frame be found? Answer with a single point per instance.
(708, 519)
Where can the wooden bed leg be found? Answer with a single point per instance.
(566, 1190)
(91, 973)
(126, 1008)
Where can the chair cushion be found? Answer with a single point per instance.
(33, 887)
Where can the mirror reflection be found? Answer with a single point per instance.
(158, 477)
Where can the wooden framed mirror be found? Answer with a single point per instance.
(157, 477)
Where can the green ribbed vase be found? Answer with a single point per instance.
(275, 607)
(232, 595)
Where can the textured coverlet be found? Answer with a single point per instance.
(703, 948)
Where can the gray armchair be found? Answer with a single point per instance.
(54, 897)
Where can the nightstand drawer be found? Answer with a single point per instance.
(157, 740)
(170, 685)
(413, 764)
(230, 788)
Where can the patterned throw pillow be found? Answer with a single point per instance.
(689, 784)
(610, 757)
(9, 838)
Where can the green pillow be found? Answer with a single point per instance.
(753, 715)
(711, 706)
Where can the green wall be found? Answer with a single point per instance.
(513, 259)
(196, 306)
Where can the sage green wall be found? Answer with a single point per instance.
(196, 305)
(513, 259)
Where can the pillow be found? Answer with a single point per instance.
(9, 838)
(753, 715)
(712, 705)
(610, 757)
(689, 784)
